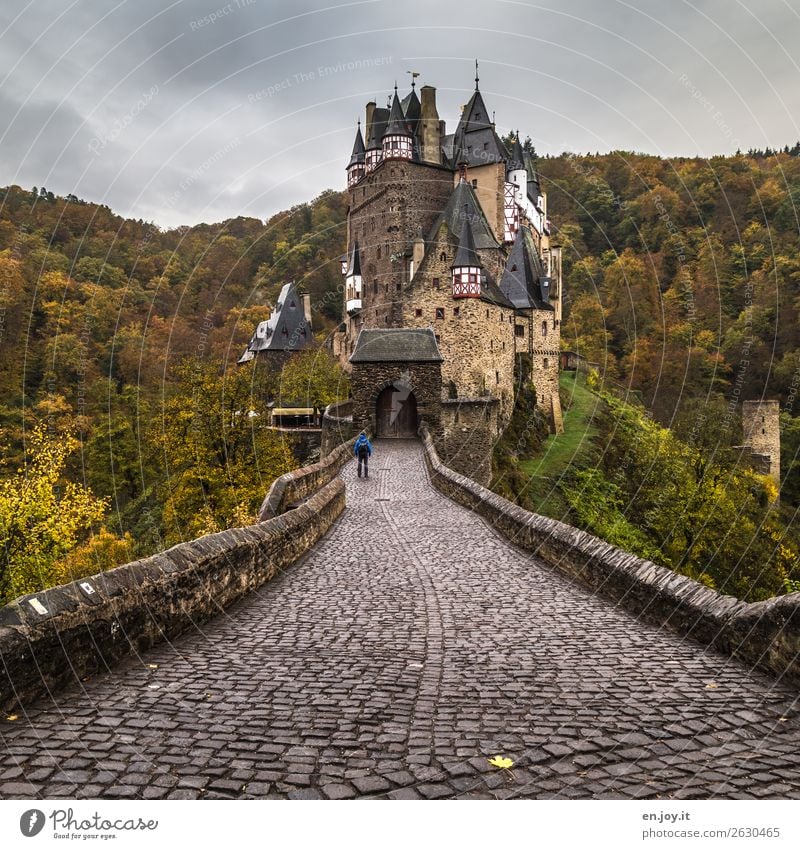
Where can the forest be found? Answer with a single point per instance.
(127, 426)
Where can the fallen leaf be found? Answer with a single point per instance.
(12, 717)
(500, 762)
(784, 719)
(712, 686)
(152, 666)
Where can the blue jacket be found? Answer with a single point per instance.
(362, 440)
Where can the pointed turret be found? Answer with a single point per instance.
(356, 166)
(376, 126)
(353, 281)
(517, 173)
(467, 265)
(397, 138)
(524, 281)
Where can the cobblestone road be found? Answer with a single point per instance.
(407, 648)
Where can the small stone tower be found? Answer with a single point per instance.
(762, 435)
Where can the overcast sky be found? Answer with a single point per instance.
(200, 110)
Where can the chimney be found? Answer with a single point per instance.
(370, 115)
(307, 307)
(429, 121)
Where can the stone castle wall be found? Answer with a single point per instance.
(370, 379)
(470, 427)
(762, 434)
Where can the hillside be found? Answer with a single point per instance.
(682, 281)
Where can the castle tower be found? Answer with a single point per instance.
(466, 267)
(447, 233)
(353, 282)
(355, 168)
(762, 435)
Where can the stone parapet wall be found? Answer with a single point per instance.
(61, 635)
(337, 426)
(765, 635)
(295, 486)
(469, 430)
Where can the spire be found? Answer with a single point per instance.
(477, 78)
(354, 263)
(357, 156)
(397, 120)
(516, 161)
(466, 255)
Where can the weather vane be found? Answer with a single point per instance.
(414, 75)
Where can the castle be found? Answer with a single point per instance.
(450, 278)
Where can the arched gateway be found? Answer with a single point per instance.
(396, 412)
(396, 381)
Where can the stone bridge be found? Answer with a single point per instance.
(408, 647)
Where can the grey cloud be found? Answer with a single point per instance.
(668, 78)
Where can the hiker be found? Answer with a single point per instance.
(363, 450)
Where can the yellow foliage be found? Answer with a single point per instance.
(42, 518)
(102, 551)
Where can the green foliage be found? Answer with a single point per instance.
(683, 505)
(218, 452)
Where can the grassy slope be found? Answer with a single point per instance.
(560, 451)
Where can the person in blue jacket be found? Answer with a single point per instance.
(363, 450)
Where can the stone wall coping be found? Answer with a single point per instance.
(765, 634)
(296, 485)
(55, 637)
(466, 401)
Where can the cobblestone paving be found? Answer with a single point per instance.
(407, 648)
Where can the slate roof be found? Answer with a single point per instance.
(397, 126)
(354, 261)
(412, 108)
(380, 117)
(392, 345)
(357, 156)
(285, 330)
(463, 202)
(465, 253)
(523, 281)
(516, 161)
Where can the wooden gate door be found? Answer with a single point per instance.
(396, 413)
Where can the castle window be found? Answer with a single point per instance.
(544, 328)
(437, 337)
(379, 251)
(504, 346)
(439, 312)
(435, 282)
(418, 312)
(443, 256)
(487, 313)
(474, 184)
(497, 376)
(486, 145)
(456, 312)
(386, 319)
(374, 287)
(546, 362)
(762, 430)
(514, 267)
(399, 286)
(519, 330)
